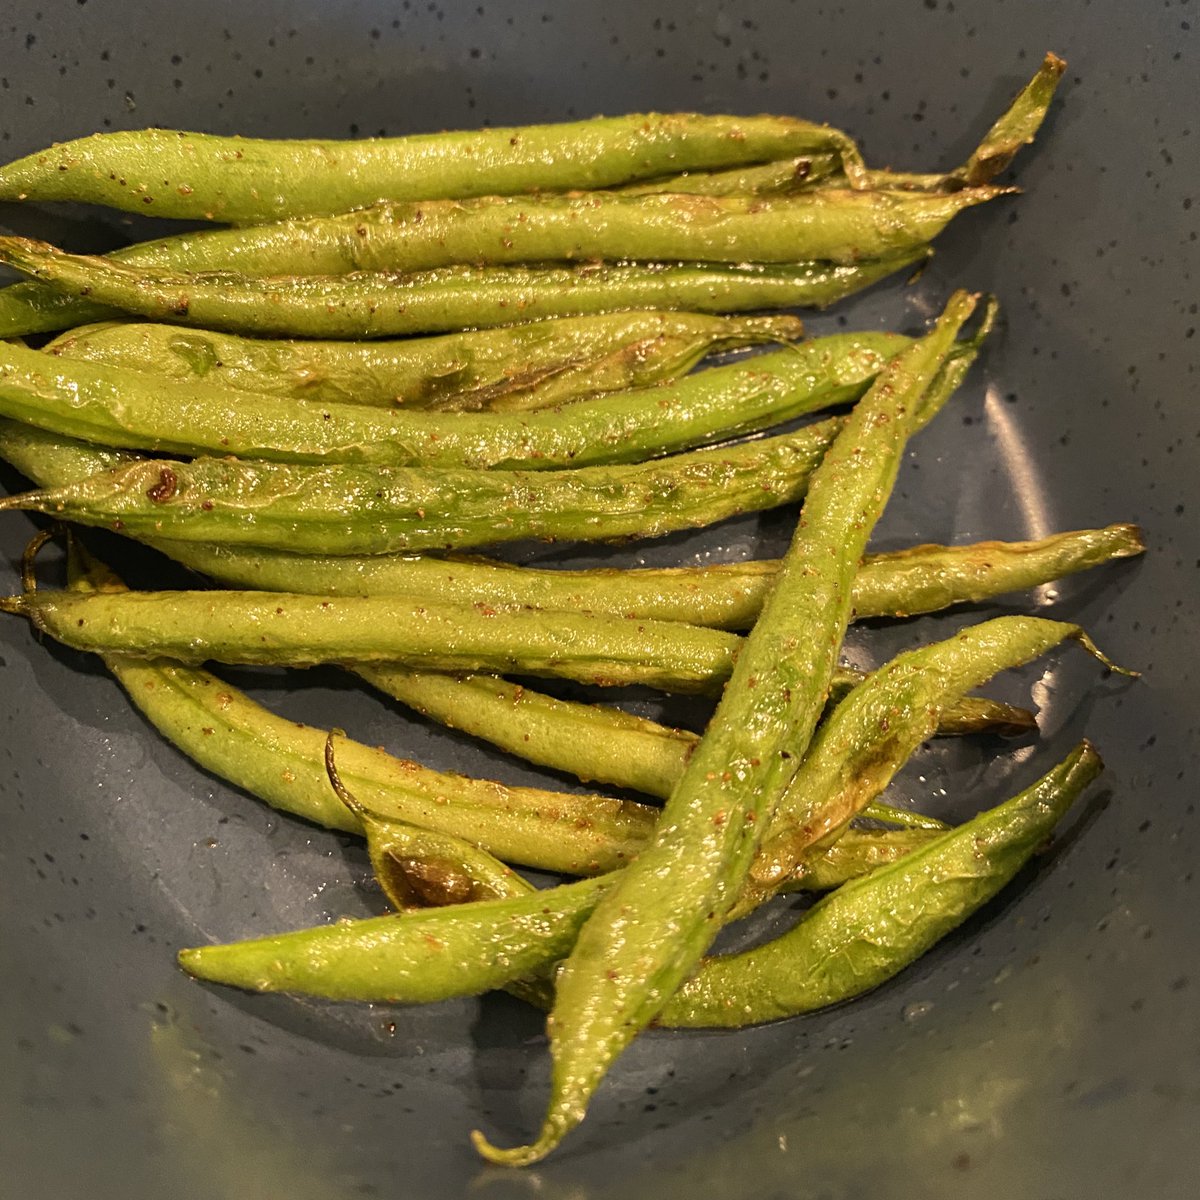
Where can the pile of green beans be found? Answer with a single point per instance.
(250, 401)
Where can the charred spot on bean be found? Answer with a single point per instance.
(165, 488)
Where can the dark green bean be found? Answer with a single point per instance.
(348, 509)
(172, 173)
(119, 407)
(382, 304)
(649, 932)
(514, 368)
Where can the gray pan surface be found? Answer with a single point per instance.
(1051, 1049)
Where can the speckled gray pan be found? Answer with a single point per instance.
(1051, 1049)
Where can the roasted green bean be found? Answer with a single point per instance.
(873, 927)
(598, 743)
(387, 304)
(433, 955)
(115, 406)
(875, 729)
(648, 933)
(348, 509)
(725, 596)
(514, 368)
(172, 173)
(290, 629)
(840, 225)
(898, 583)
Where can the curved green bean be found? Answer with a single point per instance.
(428, 955)
(387, 304)
(172, 173)
(872, 927)
(513, 368)
(280, 762)
(873, 732)
(648, 933)
(347, 509)
(440, 953)
(115, 406)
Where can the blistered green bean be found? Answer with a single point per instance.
(873, 927)
(118, 407)
(173, 173)
(349, 509)
(649, 932)
(514, 368)
(388, 304)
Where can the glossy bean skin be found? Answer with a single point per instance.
(649, 932)
(281, 762)
(251, 180)
(602, 744)
(426, 956)
(379, 304)
(898, 583)
(514, 368)
(724, 596)
(906, 906)
(347, 509)
(118, 407)
(876, 728)
(873, 927)
(292, 629)
(837, 225)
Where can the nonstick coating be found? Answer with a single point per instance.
(1048, 1051)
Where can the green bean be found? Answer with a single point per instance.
(899, 583)
(649, 932)
(875, 729)
(903, 909)
(291, 629)
(840, 225)
(1015, 128)
(725, 596)
(598, 743)
(348, 509)
(872, 927)
(282, 763)
(519, 367)
(118, 407)
(435, 954)
(387, 304)
(172, 173)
